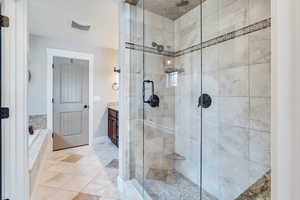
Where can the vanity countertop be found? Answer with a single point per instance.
(113, 106)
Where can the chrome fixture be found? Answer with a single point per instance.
(160, 48)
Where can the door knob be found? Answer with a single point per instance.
(85, 106)
(204, 101)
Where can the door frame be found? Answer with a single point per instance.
(51, 53)
(14, 80)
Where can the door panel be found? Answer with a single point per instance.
(69, 123)
(70, 97)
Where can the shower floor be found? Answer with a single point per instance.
(175, 187)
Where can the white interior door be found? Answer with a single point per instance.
(70, 103)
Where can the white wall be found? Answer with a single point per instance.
(105, 60)
(285, 104)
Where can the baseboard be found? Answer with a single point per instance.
(101, 140)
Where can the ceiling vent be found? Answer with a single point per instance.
(80, 26)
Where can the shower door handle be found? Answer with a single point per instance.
(153, 100)
(204, 101)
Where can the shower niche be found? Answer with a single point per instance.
(209, 62)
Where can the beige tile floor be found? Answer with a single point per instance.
(82, 173)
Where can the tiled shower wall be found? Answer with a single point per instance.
(236, 73)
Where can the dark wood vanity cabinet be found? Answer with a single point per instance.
(113, 126)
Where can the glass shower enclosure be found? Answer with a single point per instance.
(199, 98)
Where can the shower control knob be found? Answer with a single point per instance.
(204, 101)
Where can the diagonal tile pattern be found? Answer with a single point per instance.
(113, 164)
(72, 158)
(82, 173)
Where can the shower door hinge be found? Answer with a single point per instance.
(52, 66)
(4, 21)
(52, 100)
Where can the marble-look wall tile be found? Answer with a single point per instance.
(211, 114)
(154, 64)
(260, 47)
(196, 62)
(210, 140)
(234, 53)
(235, 141)
(259, 10)
(210, 61)
(210, 82)
(259, 149)
(187, 29)
(234, 111)
(162, 116)
(234, 82)
(233, 15)
(211, 179)
(260, 80)
(257, 170)
(234, 176)
(260, 114)
(210, 7)
(210, 26)
(158, 29)
(157, 145)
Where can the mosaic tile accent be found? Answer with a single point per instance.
(175, 186)
(146, 49)
(261, 190)
(38, 121)
(223, 38)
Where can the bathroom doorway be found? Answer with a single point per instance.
(70, 90)
(70, 103)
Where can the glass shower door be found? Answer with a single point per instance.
(171, 89)
(200, 99)
(236, 76)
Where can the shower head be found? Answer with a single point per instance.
(160, 48)
(182, 3)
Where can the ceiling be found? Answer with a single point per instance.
(53, 18)
(167, 8)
